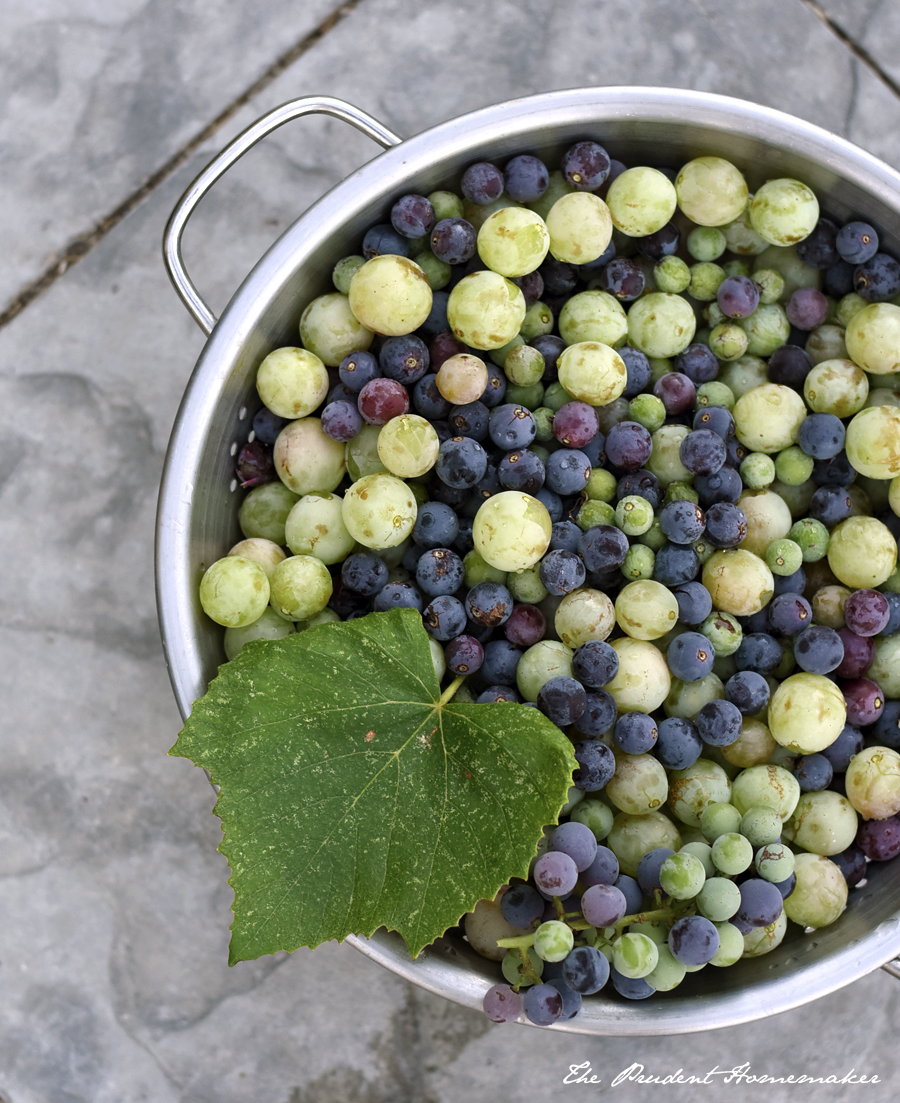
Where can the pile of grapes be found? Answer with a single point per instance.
(629, 440)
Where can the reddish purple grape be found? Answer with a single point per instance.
(341, 420)
(482, 183)
(464, 655)
(526, 178)
(412, 216)
(623, 278)
(502, 1004)
(526, 625)
(867, 612)
(586, 165)
(676, 392)
(382, 399)
(628, 445)
(575, 424)
(255, 465)
(453, 240)
(865, 701)
(859, 654)
(738, 296)
(807, 308)
(442, 347)
(879, 839)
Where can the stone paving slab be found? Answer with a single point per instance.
(116, 908)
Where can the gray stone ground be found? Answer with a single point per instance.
(114, 986)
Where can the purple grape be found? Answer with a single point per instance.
(867, 612)
(622, 278)
(453, 240)
(676, 392)
(464, 655)
(807, 308)
(382, 399)
(879, 839)
(526, 178)
(255, 465)
(603, 905)
(341, 420)
(526, 625)
(575, 424)
(542, 1004)
(694, 940)
(628, 445)
(482, 183)
(604, 870)
(501, 1004)
(586, 165)
(555, 874)
(412, 216)
(859, 654)
(852, 863)
(865, 701)
(738, 296)
(442, 347)
(585, 970)
(576, 840)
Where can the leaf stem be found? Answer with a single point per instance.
(451, 689)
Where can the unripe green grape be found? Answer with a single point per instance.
(767, 329)
(862, 552)
(477, 213)
(762, 940)
(848, 307)
(315, 526)
(691, 790)
(596, 815)
(538, 320)
(812, 538)
(390, 295)
(631, 837)
(526, 586)
(361, 453)
(784, 557)
(826, 342)
(742, 238)
(634, 514)
(592, 372)
(306, 460)
(757, 470)
(437, 272)
(344, 271)
(446, 204)
(639, 563)
(264, 511)
(661, 324)
(768, 519)
(753, 747)
(642, 681)
(873, 783)
(301, 587)
(530, 397)
(820, 895)
(593, 316)
(682, 875)
(836, 387)
(873, 338)
(665, 459)
(705, 280)
(635, 955)
(580, 227)
(646, 610)
(828, 606)
(639, 784)
(513, 969)
(793, 466)
(739, 582)
(894, 495)
(731, 854)
(477, 570)
(668, 972)
(761, 825)
(553, 940)
(775, 862)
(731, 945)
(523, 365)
(769, 785)
(601, 486)
(659, 366)
(885, 670)
(795, 272)
(742, 375)
(873, 442)
(701, 850)
(266, 553)
(234, 591)
(555, 396)
(806, 713)
(671, 274)
(582, 615)
(324, 616)
(771, 285)
(715, 393)
(784, 211)
(330, 330)
(711, 191)
(706, 243)
(292, 382)
(485, 310)
(717, 819)
(268, 626)
(654, 537)
(543, 421)
(719, 899)
(512, 530)
(513, 241)
(647, 410)
(641, 201)
(728, 341)
(408, 445)
(714, 314)
(686, 699)
(823, 823)
(379, 511)
(681, 492)
(767, 418)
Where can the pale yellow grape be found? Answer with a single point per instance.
(266, 553)
(485, 310)
(264, 511)
(408, 445)
(390, 295)
(742, 239)
(767, 418)
(580, 227)
(822, 823)
(539, 663)
(234, 591)
(642, 681)
(686, 699)
(762, 940)
(665, 462)
(582, 615)
(883, 396)
(513, 241)
(593, 316)
(639, 784)
(330, 329)
(661, 324)
(862, 552)
(894, 495)
(873, 338)
(592, 372)
(379, 511)
(641, 200)
(307, 460)
(743, 375)
(738, 581)
(768, 519)
(769, 785)
(301, 587)
(691, 790)
(767, 329)
(512, 530)
(315, 526)
(522, 365)
(784, 211)
(836, 387)
(806, 713)
(669, 972)
(292, 382)
(268, 626)
(646, 610)
(828, 605)
(826, 342)
(711, 191)
(873, 442)
(885, 670)
(632, 836)
(873, 783)
(361, 453)
(820, 895)
(753, 747)
(462, 378)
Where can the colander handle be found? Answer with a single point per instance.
(307, 105)
(893, 967)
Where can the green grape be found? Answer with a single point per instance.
(344, 271)
(266, 553)
(446, 204)
(555, 396)
(671, 274)
(713, 313)
(512, 530)
(668, 972)
(292, 382)
(306, 460)
(873, 442)
(798, 498)
(477, 569)
(576, 795)
(538, 320)
(706, 243)
(742, 238)
(526, 586)
(268, 626)
(523, 365)
(513, 970)
(580, 227)
(820, 894)
(543, 420)
(681, 492)
(761, 825)
(234, 591)
(828, 606)
(330, 330)
(437, 272)
(784, 211)
(665, 459)
(641, 201)
(361, 453)
(642, 681)
(686, 699)
(767, 418)
(873, 784)
(757, 470)
(848, 307)
(390, 295)
(438, 660)
(682, 876)
(732, 945)
(767, 329)
(784, 557)
(692, 789)
(739, 582)
(582, 615)
(639, 784)
(812, 538)
(883, 396)
(539, 663)
(873, 338)
(315, 526)
(775, 862)
(635, 955)
(731, 854)
(769, 785)
(325, 616)
(498, 356)
(485, 310)
(807, 713)
(793, 271)
(639, 563)
(592, 372)
(654, 537)
(553, 940)
(742, 375)
(702, 851)
(647, 410)
(408, 445)
(301, 587)
(826, 342)
(705, 280)
(715, 393)
(718, 899)
(753, 747)
(728, 341)
(792, 466)
(836, 387)
(264, 511)
(379, 511)
(531, 396)
(885, 670)
(862, 552)
(659, 366)
(646, 610)
(770, 283)
(631, 837)
(601, 486)
(762, 940)
(513, 241)
(596, 815)
(768, 518)
(661, 324)
(711, 191)
(717, 819)
(593, 316)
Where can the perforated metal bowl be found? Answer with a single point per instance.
(198, 505)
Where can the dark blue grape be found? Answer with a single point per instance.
(682, 521)
(585, 970)
(531, 286)
(603, 547)
(571, 1000)
(848, 743)
(690, 656)
(837, 471)
(526, 178)
(694, 940)
(852, 864)
(595, 663)
(439, 571)
(489, 604)
(564, 536)
(341, 420)
(698, 362)
(500, 661)
(559, 278)
(596, 765)
(623, 278)
(703, 452)
(444, 617)
(719, 723)
(542, 1004)
(661, 243)
(830, 505)
(398, 595)
(495, 391)
(760, 652)
(761, 904)
(357, 369)
(603, 870)
(694, 603)
(437, 526)
(737, 296)
(678, 743)
(522, 906)
(384, 240)
(790, 614)
(512, 426)
(856, 242)
(675, 564)
(599, 714)
(267, 425)
(635, 732)
(819, 249)
(551, 501)
(482, 183)
(637, 366)
(522, 470)
(716, 418)
(436, 322)
(749, 690)
(642, 483)
(814, 772)
(885, 732)
(790, 583)
(461, 462)
(649, 867)
(628, 445)
(789, 366)
(837, 281)
(821, 436)
(878, 279)
(818, 649)
(562, 700)
(470, 420)
(404, 359)
(726, 525)
(412, 216)
(737, 453)
(725, 486)
(630, 988)
(561, 572)
(567, 471)
(453, 240)
(364, 573)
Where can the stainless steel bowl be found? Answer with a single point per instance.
(198, 505)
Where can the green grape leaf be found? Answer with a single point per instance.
(352, 796)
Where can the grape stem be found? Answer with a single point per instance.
(451, 689)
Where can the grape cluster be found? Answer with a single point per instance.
(629, 441)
